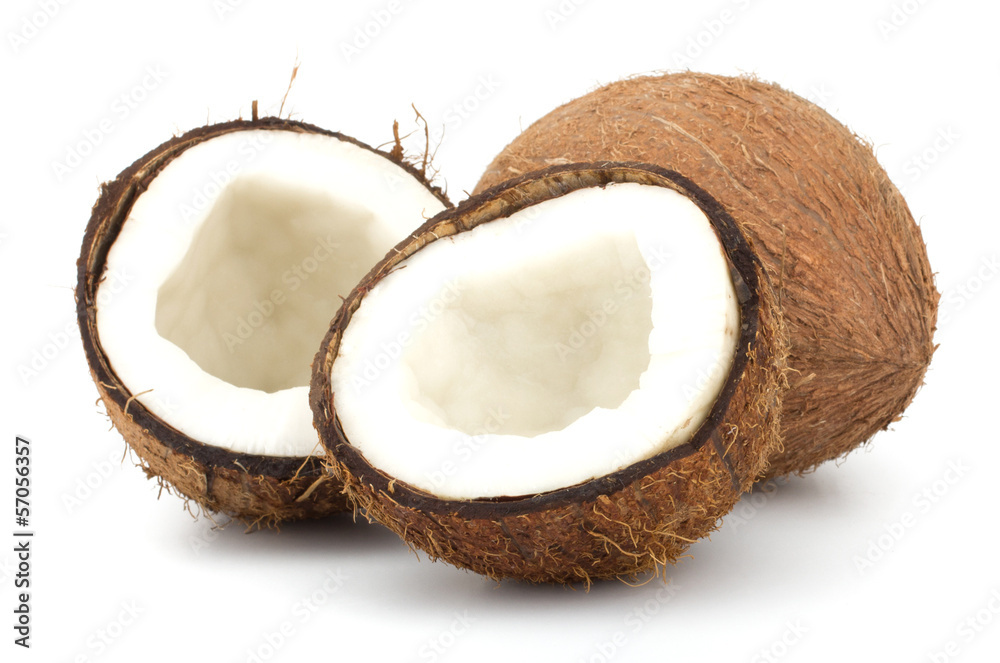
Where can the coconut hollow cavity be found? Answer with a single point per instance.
(562, 343)
(571, 376)
(209, 273)
(834, 234)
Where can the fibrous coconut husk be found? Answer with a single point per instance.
(633, 520)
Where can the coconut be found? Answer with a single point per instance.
(209, 272)
(834, 234)
(571, 376)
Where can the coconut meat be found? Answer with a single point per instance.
(228, 271)
(534, 352)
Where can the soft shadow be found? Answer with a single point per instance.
(338, 535)
(765, 520)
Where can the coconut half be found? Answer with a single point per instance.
(834, 234)
(209, 273)
(571, 376)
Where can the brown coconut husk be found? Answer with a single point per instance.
(260, 490)
(833, 233)
(622, 524)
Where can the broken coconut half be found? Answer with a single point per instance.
(571, 376)
(834, 234)
(209, 273)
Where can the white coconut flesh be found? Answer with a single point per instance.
(228, 270)
(567, 341)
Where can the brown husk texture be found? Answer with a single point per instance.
(834, 234)
(261, 490)
(632, 521)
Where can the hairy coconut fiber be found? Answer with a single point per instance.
(834, 234)
(262, 490)
(634, 520)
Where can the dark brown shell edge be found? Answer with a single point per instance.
(631, 521)
(259, 490)
(835, 235)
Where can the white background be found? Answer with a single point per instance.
(818, 568)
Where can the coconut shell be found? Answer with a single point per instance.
(262, 490)
(834, 234)
(621, 524)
